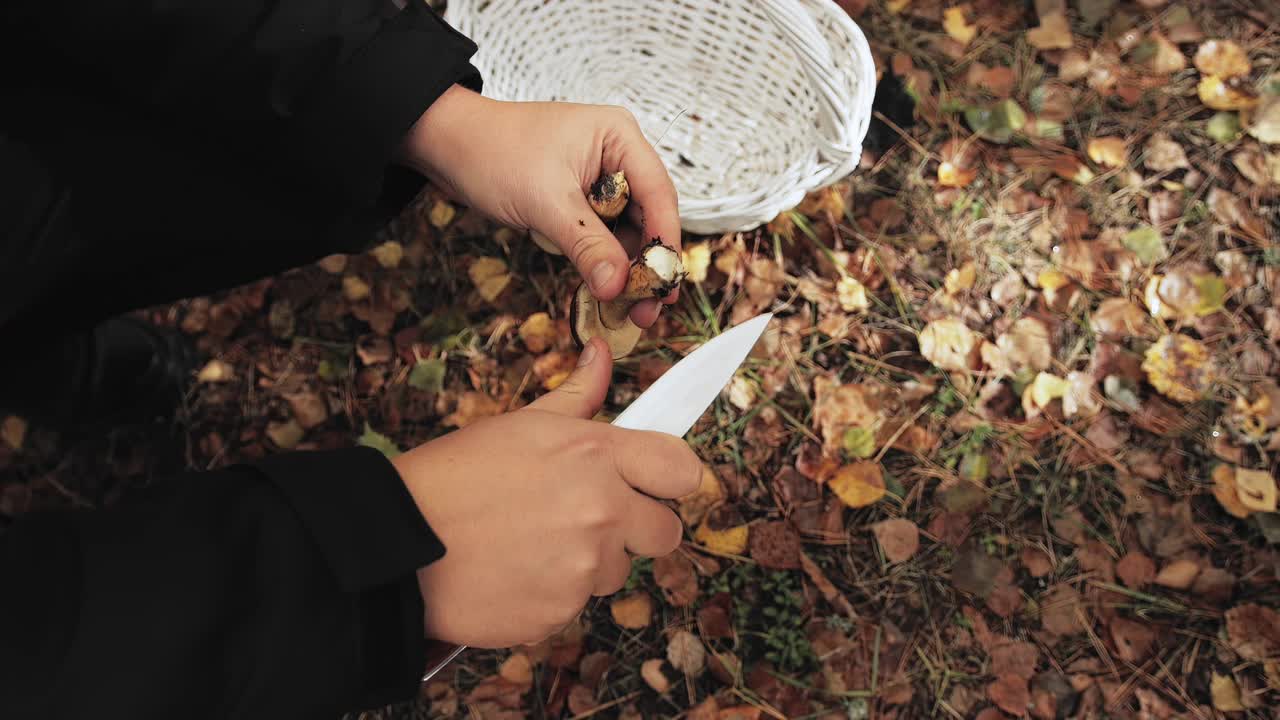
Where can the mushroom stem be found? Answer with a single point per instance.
(654, 273)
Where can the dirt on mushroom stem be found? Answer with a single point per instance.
(656, 271)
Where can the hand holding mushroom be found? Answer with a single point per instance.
(570, 173)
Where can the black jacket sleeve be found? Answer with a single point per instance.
(250, 135)
(279, 590)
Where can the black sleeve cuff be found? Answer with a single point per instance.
(358, 510)
(352, 128)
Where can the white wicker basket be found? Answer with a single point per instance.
(773, 96)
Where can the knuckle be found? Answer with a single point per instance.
(583, 246)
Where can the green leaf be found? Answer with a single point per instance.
(1223, 127)
(1146, 242)
(997, 122)
(1177, 15)
(974, 467)
(428, 375)
(378, 441)
(1212, 293)
(859, 442)
(1093, 12)
(442, 324)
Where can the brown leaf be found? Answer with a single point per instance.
(1223, 58)
(1134, 640)
(899, 539)
(1163, 154)
(694, 506)
(581, 700)
(950, 345)
(592, 667)
(285, 435)
(1213, 586)
(713, 618)
(674, 574)
(1119, 319)
(517, 670)
(1230, 209)
(1224, 489)
(1036, 561)
(686, 653)
(1254, 631)
(490, 276)
(632, 611)
(1061, 611)
(654, 677)
(1256, 490)
(1136, 570)
(1026, 345)
(1109, 151)
(1010, 693)
(538, 332)
(1014, 658)
(775, 545)
(309, 408)
(1178, 574)
(1054, 33)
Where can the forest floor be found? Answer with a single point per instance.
(1009, 449)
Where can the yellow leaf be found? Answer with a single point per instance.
(555, 380)
(538, 332)
(1222, 58)
(1109, 151)
(1219, 95)
(732, 541)
(952, 175)
(388, 254)
(1046, 388)
(949, 344)
(215, 371)
(1226, 694)
(696, 258)
(852, 295)
(1052, 280)
(1179, 367)
(1054, 33)
(490, 276)
(632, 611)
(354, 288)
(1226, 492)
(694, 506)
(442, 214)
(1256, 489)
(897, 6)
(960, 29)
(858, 484)
(961, 278)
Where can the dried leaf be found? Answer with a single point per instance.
(1026, 344)
(651, 671)
(378, 441)
(858, 484)
(1147, 243)
(1036, 562)
(852, 295)
(1223, 58)
(957, 26)
(538, 332)
(1266, 121)
(1010, 693)
(1163, 154)
(1118, 319)
(1178, 574)
(517, 670)
(1179, 367)
(695, 505)
(949, 344)
(1225, 694)
(696, 258)
(632, 611)
(1054, 33)
(675, 575)
(1061, 610)
(730, 541)
(1254, 631)
(13, 431)
(1136, 570)
(1109, 151)
(899, 539)
(1133, 640)
(686, 653)
(1222, 94)
(1256, 490)
(775, 545)
(216, 371)
(490, 276)
(1226, 492)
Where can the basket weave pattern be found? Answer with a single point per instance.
(751, 103)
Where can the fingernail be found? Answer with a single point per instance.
(588, 354)
(600, 275)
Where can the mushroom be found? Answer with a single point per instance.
(608, 198)
(654, 273)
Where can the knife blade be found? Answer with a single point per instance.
(672, 404)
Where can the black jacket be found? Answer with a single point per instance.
(280, 589)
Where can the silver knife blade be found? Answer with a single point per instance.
(673, 403)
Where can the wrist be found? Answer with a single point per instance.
(439, 135)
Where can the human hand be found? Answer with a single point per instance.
(538, 510)
(530, 165)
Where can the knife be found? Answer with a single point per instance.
(672, 404)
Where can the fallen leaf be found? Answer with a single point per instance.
(632, 611)
(285, 435)
(1167, 58)
(858, 484)
(696, 258)
(355, 288)
(538, 332)
(731, 540)
(949, 344)
(490, 276)
(1147, 243)
(997, 123)
(1223, 58)
(378, 441)
(216, 371)
(1136, 570)
(1232, 210)
(581, 700)
(1178, 574)
(441, 214)
(974, 571)
(1265, 125)
(675, 576)
(1254, 631)
(1061, 610)
(388, 254)
(1223, 127)
(1226, 492)
(1222, 94)
(1046, 388)
(693, 507)
(1163, 154)
(1036, 562)
(1118, 319)
(1109, 151)
(517, 670)
(651, 671)
(686, 653)
(1256, 490)
(899, 539)
(953, 176)
(1225, 694)
(428, 375)
(1054, 33)
(957, 26)
(1026, 344)
(1133, 640)
(1179, 367)
(1010, 657)
(1010, 693)
(852, 295)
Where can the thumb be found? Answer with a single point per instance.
(576, 229)
(582, 393)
